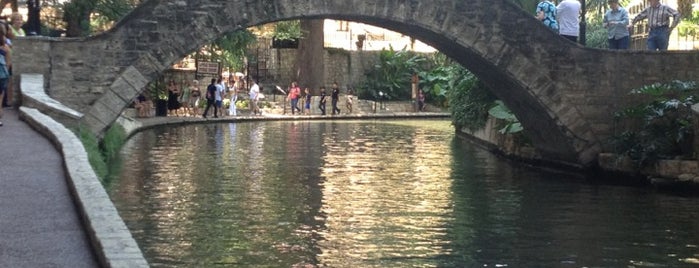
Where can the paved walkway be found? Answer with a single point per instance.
(39, 223)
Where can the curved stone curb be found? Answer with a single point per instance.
(34, 96)
(110, 238)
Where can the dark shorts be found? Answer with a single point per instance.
(3, 85)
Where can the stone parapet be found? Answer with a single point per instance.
(110, 238)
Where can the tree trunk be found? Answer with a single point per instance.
(76, 14)
(309, 66)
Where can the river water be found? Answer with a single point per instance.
(379, 194)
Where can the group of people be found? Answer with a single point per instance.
(8, 31)
(217, 91)
(565, 19)
(294, 95)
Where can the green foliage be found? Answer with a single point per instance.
(689, 26)
(76, 14)
(391, 75)
(287, 30)
(106, 12)
(101, 153)
(85, 17)
(230, 48)
(661, 128)
(596, 34)
(512, 124)
(157, 89)
(469, 102)
(112, 142)
(436, 81)
(94, 155)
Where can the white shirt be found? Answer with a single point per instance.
(568, 17)
(254, 91)
(219, 92)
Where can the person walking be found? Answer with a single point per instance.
(568, 15)
(350, 96)
(335, 96)
(321, 102)
(194, 97)
(658, 16)
(546, 13)
(233, 91)
(211, 98)
(294, 93)
(307, 98)
(616, 20)
(254, 98)
(218, 97)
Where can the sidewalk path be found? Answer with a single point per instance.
(39, 223)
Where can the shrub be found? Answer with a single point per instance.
(659, 128)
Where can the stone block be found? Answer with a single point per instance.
(668, 168)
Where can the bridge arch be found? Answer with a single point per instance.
(562, 93)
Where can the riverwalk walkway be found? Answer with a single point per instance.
(53, 210)
(40, 225)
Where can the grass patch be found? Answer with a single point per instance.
(99, 153)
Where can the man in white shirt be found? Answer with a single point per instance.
(569, 19)
(254, 97)
(219, 96)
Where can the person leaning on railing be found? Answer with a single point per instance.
(658, 16)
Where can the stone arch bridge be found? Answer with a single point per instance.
(564, 94)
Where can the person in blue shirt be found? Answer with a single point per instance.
(546, 13)
(616, 21)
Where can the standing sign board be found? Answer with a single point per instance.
(208, 68)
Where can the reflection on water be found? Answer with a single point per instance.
(377, 194)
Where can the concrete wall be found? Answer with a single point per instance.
(348, 68)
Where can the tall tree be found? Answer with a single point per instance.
(76, 14)
(309, 66)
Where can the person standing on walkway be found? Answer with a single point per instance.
(5, 64)
(568, 14)
(658, 16)
(233, 91)
(195, 97)
(254, 97)
(307, 99)
(546, 13)
(220, 91)
(335, 96)
(184, 97)
(616, 20)
(211, 98)
(173, 103)
(350, 96)
(322, 101)
(294, 93)
(420, 101)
